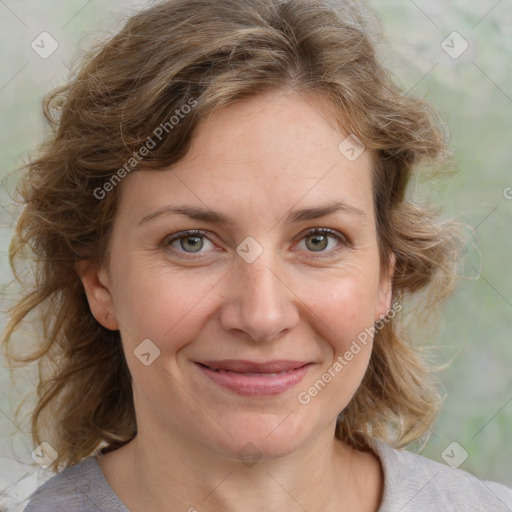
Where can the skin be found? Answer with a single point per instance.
(255, 161)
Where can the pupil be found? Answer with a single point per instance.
(195, 246)
(319, 242)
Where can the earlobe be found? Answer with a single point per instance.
(95, 282)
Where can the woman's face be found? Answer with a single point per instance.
(255, 285)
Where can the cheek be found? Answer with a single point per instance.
(345, 322)
(161, 304)
(347, 309)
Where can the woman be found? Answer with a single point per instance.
(223, 247)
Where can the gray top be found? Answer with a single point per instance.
(412, 483)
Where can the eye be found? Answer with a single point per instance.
(317, 240)
(190, 242)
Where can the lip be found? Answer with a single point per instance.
(249, 378)
(243, 366)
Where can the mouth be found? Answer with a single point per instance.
(250, 378)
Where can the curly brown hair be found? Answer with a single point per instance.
(213, 54)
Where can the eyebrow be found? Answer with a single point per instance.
(213, 217)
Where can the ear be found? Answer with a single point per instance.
(95, 281)
(385, 291)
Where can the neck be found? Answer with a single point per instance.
(176, 474)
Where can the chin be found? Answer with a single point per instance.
(263, 436)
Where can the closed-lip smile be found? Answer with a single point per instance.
(250, 378)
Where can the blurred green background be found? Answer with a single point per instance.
(473, 94)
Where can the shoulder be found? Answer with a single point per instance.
(79, 488)
(414, 483)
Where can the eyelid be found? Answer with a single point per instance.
(324, 231)
(184, 234)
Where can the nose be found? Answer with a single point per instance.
(259, 302)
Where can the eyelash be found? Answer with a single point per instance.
(314, 231)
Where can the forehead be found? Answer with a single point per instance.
(273, 149)
(289, 127)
